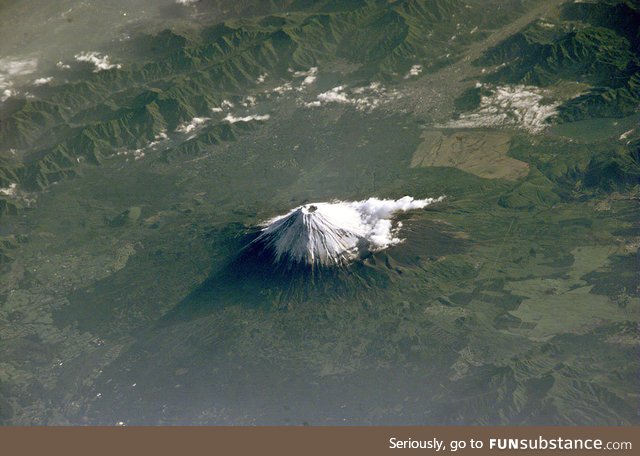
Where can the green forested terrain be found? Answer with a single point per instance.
(125, 292)
(597, 43)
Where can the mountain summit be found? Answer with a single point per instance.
(333, 234)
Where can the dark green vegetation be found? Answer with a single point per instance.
(122, 294)
(596, 43)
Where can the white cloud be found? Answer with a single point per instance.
(226, 104)
(42, 81)
(11, 69)
(14, 193)
(282, 89)
(62, 65)
(99, 61)
(10, 190)
(510, 106)
(17, 67)
(233, 119)
(188, 127)
(364, 98)
(7, 93)
(160, 137)
(137, 154)
(248, 101)
(335, 95)
(309, 76)
(414, 71)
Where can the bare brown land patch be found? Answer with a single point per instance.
(483, 153)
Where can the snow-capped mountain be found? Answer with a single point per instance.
(335, 233)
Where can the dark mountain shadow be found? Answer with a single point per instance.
(252, 278)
